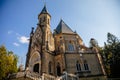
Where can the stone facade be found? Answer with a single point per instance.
(63, 50)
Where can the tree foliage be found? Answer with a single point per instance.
(111, 55)
(8, 62)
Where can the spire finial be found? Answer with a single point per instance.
(44, 10)
(45, 3)
(32, 31)
(60, 18)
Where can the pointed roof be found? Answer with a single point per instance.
(44, 10)
(63, 28)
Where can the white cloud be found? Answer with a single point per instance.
(16, 44)
(10, 32)
(17, 34)
(23, 39)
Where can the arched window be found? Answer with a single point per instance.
(78, 66)
(86, 65)
(58, 69)
(44, 18)
(70, 46)
(48, 21)
(58, 48)
(50, 67)
(40, 20)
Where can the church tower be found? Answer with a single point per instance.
(44, 22)
(47, 42)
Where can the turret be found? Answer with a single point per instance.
(44, 23)
(29, 47)
(44, 17)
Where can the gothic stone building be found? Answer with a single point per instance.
(61, 51)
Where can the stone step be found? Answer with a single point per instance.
(22, 78)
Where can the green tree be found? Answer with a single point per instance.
(8, 62)
(3, 53)
(111, 55)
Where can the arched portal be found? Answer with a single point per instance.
(35, 62)
(36, 68)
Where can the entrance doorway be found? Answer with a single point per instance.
(36, 68)
(58, 69)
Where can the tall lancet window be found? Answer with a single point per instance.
(44, 18)
(48, 21)
(58, 69)
(78, 66)
(70, 46)
(50, 67)
(86, 67)
(40, 20)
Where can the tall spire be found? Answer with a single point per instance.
(44, 10)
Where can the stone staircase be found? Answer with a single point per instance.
(64, 76)
(36, 76)
(21, 78)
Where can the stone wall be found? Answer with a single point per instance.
(46, 58)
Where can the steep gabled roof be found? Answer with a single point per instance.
(63, 28)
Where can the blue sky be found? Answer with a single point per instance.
(89, 18)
